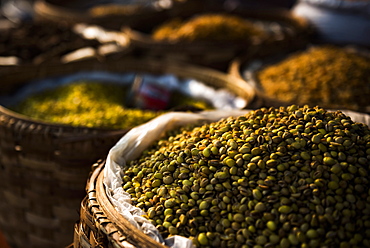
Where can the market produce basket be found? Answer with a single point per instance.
(328, 75)
(102, 225)
(279, 30)
(41, 42)
(37, 42)
(44, 166)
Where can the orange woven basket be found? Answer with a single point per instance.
(44, 166)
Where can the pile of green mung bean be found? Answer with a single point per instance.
(274, 177)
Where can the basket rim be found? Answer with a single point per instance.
(66, 134)
(141, 39)
(26, 119)
(105, 212)
(49, 11)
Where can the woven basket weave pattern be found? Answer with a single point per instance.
(42, 179)
(94, 227)
(100, 224)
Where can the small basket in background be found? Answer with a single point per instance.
(332, 76)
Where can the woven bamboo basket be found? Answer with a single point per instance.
(293, 31)
(44, 166)
(260, 99)
(101, 224)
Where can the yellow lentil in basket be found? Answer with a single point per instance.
(91, 104)
(208, 27)
(325, 75)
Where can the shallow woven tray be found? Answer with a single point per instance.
(44, 167)
(295, 30)
(43, 170)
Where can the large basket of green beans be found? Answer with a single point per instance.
(216, 36)
(331, 76)
(44, 164)
(272, 177)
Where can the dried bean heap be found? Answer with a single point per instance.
(208, 27)
(93, 104)
(326, 75)
(278, 177)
